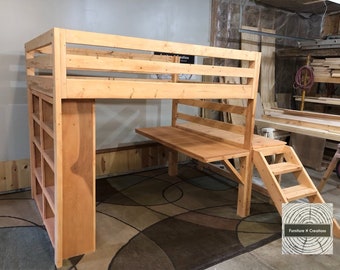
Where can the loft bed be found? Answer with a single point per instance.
(68, 70)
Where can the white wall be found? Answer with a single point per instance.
(21, 20)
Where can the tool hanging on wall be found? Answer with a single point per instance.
(304, 80)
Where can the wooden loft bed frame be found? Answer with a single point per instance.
(67, 70)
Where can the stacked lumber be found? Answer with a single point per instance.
(334, 66)
(326, 67)
(320, 125)
(320, 100)
(319, 68)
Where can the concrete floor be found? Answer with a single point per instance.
(270, 256)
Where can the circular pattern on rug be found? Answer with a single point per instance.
(180, 244)
(256, 228)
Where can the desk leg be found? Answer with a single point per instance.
(244, 190)
(173, 163)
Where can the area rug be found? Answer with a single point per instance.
(146, 220)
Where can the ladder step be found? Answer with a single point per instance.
(269, 151)
(284, 167)
(298, 192)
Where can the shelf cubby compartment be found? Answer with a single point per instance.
(49, 220)
(48, 145)
(47, 116)
(49, 185)
(38, 195)
(36, 106)
(37, 164)
(36, 132)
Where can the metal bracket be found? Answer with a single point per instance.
(332, 42)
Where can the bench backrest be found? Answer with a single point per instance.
(224, 126)
(220, 129)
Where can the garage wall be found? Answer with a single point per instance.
(21, 20)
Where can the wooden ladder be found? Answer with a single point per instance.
(286, 161)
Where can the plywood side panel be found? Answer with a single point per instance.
(78, 172)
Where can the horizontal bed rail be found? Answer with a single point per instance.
(142, 44)
(157, 89)
(100, 63)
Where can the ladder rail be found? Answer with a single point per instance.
(267, 176)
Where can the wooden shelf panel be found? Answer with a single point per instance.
(39, 201)
(37, 132)
(38, 194)
(36, 118)
(47, 113)
(48, 174)
(37, 142)
(38, 175)
(48, 127)
(35, 106)
(49, 220)
(49, 192)
(50, 228)
(49, 157)
(48, 142)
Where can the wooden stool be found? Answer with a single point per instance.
(330, 169)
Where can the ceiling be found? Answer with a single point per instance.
(303, 6)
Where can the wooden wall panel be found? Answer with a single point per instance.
(15, 174)
(132, 159)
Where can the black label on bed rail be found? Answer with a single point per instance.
(184, 59)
